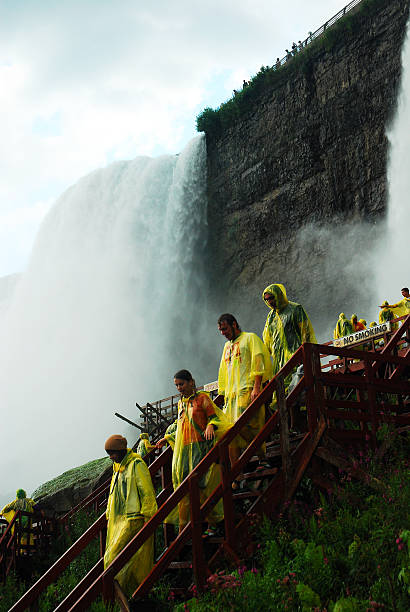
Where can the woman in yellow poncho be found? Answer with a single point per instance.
(287, 326)
(24, 504)
(199, 424)
(131, 503)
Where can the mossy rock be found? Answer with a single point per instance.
(65, 491)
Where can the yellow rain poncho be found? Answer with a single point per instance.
(287, 327)
(343, 327)
(403, 307)
(144, 445)
(242, 360)
(24, 504)
(189, 446)
(357, 325)
(131, 503)
(386, 314)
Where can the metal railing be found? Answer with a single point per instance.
(316, 34)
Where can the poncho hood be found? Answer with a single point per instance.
(279, 292)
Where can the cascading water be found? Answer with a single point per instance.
(391, 254)
(112, 304)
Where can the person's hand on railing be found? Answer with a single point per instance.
(256, 388)
(161, 443)
(209, 432)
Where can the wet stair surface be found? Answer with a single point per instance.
(338, 405)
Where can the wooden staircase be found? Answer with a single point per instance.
(344, 397)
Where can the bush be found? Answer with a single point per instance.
(350, 554)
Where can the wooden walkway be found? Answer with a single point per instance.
(339, 404)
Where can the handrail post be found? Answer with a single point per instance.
(198, 562)
(371, 396)
(166, 479)
(229, 512)
(284, 429)
(103, 538)
(320, 404)
(310, 390)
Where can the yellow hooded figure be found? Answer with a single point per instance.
(131, 503)
(343, 327)
(386, 314)
(144, 445)
(24, 504)
(287, 326)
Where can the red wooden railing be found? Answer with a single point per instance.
(381, 373)
(19, 540)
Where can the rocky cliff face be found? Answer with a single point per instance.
(297, 187)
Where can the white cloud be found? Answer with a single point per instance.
(85, 82)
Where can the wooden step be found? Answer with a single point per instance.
(247, 494)
(259, 474)
(180, 565)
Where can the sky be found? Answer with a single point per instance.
(88, 82)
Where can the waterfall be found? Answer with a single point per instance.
(113, 302)
(391, 254)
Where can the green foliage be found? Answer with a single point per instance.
(77, 569)
(308, 598)
(11, 591)
(17, 585)
(350, 554)
(270, 78)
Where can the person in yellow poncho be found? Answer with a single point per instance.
(357, 325)
(386, 314)
(144, 445)
(199, 425)
(245, 366)
(24, 504)
(403, 307)
(287, 326)
(343, 327)
(131, 503)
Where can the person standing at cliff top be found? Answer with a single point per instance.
(131, 503)
(343, 327)
(403, 307)
(245, 366)
(287, 326)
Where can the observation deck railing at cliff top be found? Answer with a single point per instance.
(333, 422)
(317, 33)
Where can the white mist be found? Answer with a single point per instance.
(391, 261)
(104, 314)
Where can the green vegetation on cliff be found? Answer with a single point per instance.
(215, 121)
